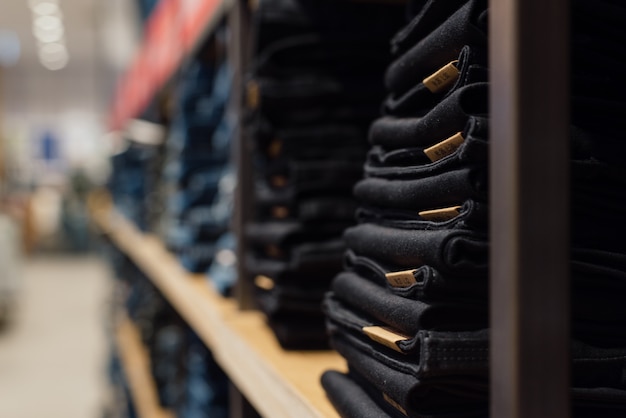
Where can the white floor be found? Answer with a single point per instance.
(53, 357)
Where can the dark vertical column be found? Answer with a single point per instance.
(239, 405)
(239, 22)
(529, 208)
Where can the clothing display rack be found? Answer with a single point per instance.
(529, 225)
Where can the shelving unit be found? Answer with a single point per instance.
(136, 365)
(528, 56)
(276, 382)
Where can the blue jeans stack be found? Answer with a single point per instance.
(199, 177)
(132, 180)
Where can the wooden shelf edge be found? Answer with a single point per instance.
(278, 383)
(136, 366)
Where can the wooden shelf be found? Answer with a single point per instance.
(276, 382)
(136, 365)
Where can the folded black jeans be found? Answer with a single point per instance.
(449, 188)
(466, 148)
(274, 205)
(459, 252)
(471, 215)
(430, 15)
(350, 400)
(277, 239)
(308, 264)
(418, 398)
(406, 315)
(467, 26)
(469, 68)
(313, 175)
(428, 284)
(312, 53)
(444, 120)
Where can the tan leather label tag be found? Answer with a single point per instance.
(253, 5)
(385, 336)
(253, 95)
(441, 215)
(445, 147)
(401, 278)
(280, 212)
(442, 78)
(278, 181)
(275, 148)
(264, 282)
(394, 404)
(273, 251)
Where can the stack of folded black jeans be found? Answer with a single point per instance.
(198, 174)
(314, 88)
(410, 311)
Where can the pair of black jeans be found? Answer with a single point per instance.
(414, 162)
(447, 118)
(428, 284)
(309, 264)
(469, 68)
(289, 205)
(466, 26)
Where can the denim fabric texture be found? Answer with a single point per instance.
(416, 265)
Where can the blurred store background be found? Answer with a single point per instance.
(59, 64)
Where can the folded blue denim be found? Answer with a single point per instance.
(222, 272)
(206, 385)
(197, 257)
(467, 26)
(444, 120)
(471, 65)
(449, 188)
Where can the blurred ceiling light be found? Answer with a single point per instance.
(53, 56)
(52, 50)
(48, 22)
(46, 8)
(49, 31)
(34, 3)
(48, 35)
(10, 48)
(55, 65)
